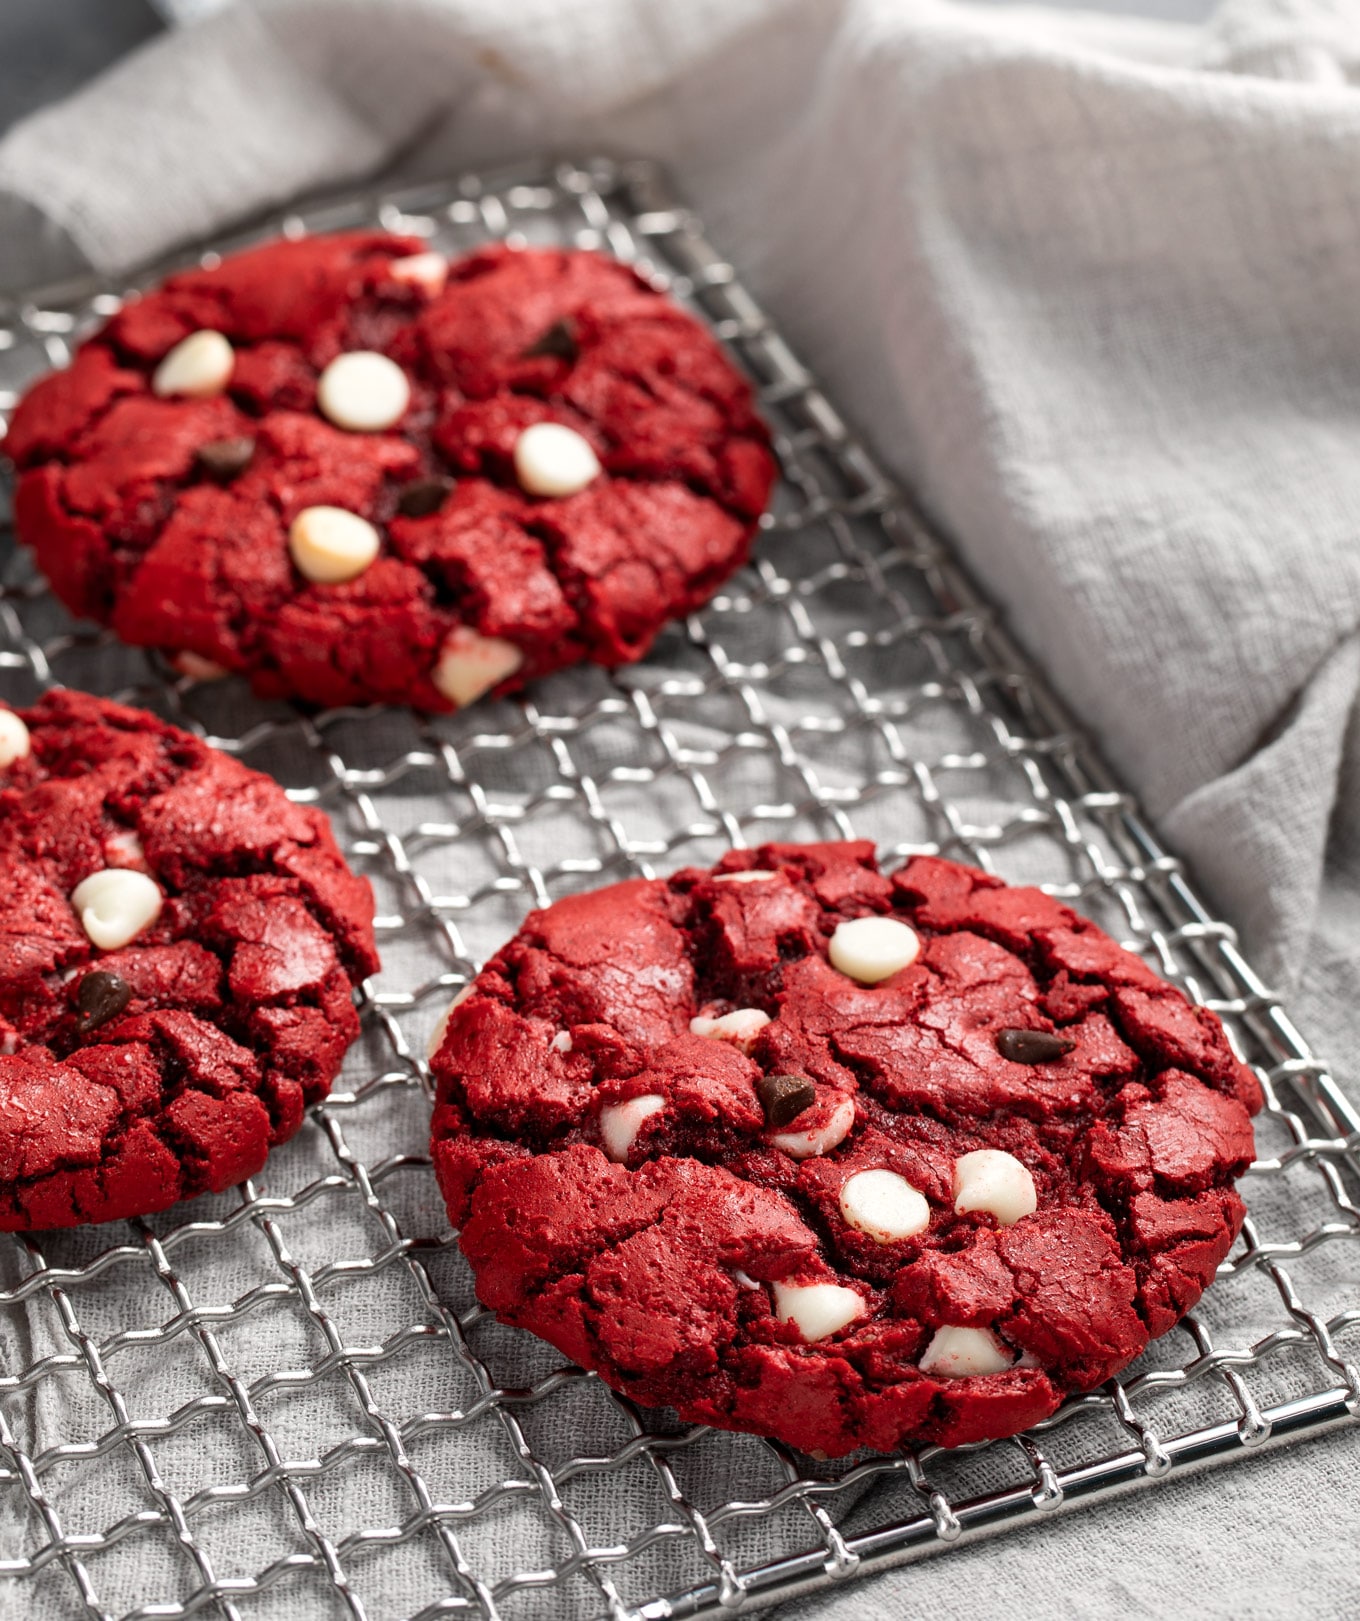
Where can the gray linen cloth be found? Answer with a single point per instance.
(1090, 286)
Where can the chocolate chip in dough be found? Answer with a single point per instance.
(558, 342)
(1032, 1046)
(423, 497)
(226, 458)
(100, 996)
(784, 1097)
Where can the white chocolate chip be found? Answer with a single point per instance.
(124, 849)
(15, 742)
(621, 1122)
(198, 367)
(821, 1138)
(197, 668)
(551, 459)
(740, 1027)
(561, 1042)
(750, 876)
(442, 1028)
(871, 949)
(992, 1180)
(884, 1205)
(363, 391)
(115, 905)
(471, 664)
(960, 1353)
(817, 1309)
(330, 545)
(427, 270)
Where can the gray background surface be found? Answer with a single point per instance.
(48, 49)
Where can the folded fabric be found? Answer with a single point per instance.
(1090, 286)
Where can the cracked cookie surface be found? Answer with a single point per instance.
(169, 515)
(170, 1064)
(940, 1244)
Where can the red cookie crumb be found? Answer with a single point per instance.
(168, 518)
(136, 1076)
(622, 1191)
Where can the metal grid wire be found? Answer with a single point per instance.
(286, 1400)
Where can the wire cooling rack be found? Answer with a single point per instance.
(286, 1401)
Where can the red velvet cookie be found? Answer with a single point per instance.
(177, 956)
(353, 472)
(842, 1159)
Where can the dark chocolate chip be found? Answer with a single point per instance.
(225, 458)
(100, 996)
(784, 1097)
(559, 341)
(425, 496)
(1032, 1046)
